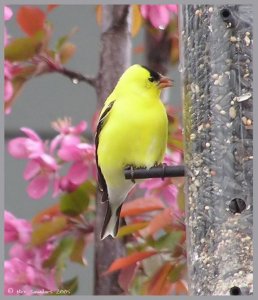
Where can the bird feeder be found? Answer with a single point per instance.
(217, 72)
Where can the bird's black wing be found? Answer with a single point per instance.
(101, 179)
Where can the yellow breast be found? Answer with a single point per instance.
(135, 133)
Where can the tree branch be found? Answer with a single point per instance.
(76, 77)
(115, 57)
(120, 13)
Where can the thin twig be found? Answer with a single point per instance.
(74, 76)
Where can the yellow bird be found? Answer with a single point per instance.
(131, 132)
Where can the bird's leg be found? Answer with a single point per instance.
(163, 165)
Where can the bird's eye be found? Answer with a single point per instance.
(151, 79)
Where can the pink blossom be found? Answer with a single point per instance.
(8, 87)
(26, 147)
(164, 188)
(16, 230)
(69, 135)
(8, 91)
(82, 157)
(24, 271)
(40, 172)
(159, 15)
(21, 277)
(41, 167)
(7, 16)
(32, 255)
(66, 185)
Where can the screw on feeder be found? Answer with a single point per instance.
(237, 205)
(235, 291)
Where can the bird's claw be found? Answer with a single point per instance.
(132, 174)
(163, 171)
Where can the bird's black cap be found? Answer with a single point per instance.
(155, 76)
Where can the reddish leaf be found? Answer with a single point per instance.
(31, 19)
(159, 221)
(126, 276)
(140, 206)
(51, 7)
(126, 261)
(47, 214)
(159, 284)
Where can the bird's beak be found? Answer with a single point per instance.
(165, 82)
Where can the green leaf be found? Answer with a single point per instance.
(71, 285)
(175, 273)
(44, 231)
(67, 288)
(131, 228)
(60, 254)
(22, 49)
(75, 203)
(63, 39)
(77, 254)
(168, 241)
(60, 42)
(138, 285)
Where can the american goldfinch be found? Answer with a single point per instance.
(131, 132)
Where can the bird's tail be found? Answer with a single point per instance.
(111, 222)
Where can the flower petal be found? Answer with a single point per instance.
(78, 173)
(7, 13)
(17, 148)
(70, 140)
(80, 127)
(38, 187)
(32, 168)
(55, 143)
(70, 153)
(145, 11)
(8, 90)
(30, 133)
(173, 8)
(48, 161)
